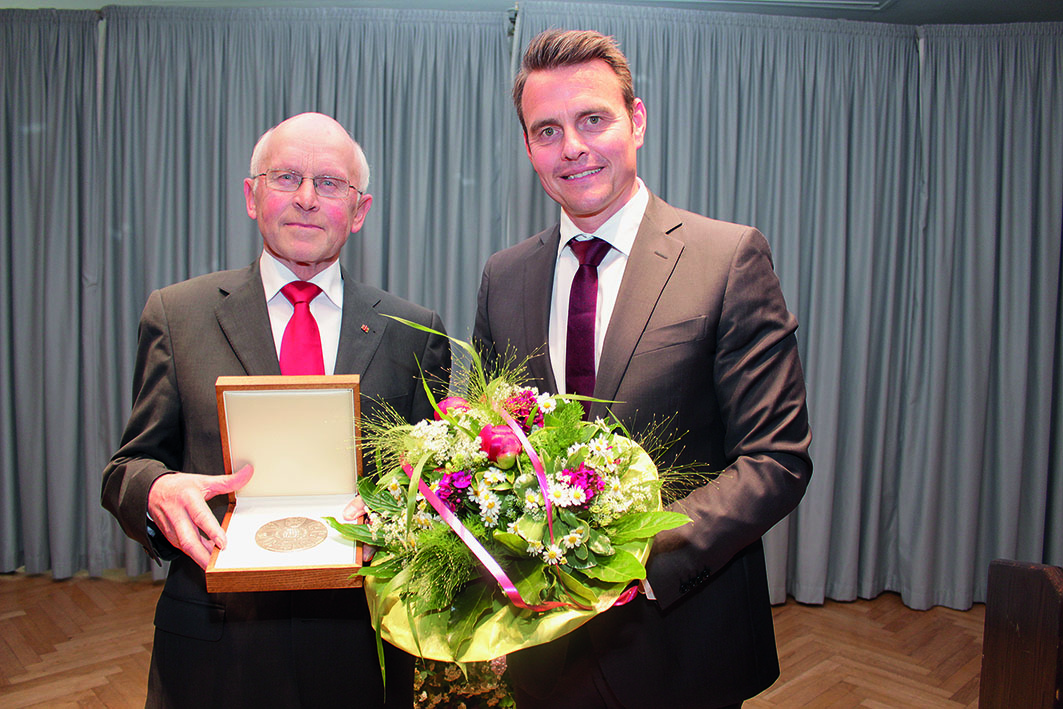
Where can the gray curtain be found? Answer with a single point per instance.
(48, 208)
(980, 472)
(910, 181)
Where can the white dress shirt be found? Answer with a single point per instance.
(327, 308)
(619, 231)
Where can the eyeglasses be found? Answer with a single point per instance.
(327, 187)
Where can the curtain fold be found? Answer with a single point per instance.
(909, 180)
(982, 379)
(48, 200)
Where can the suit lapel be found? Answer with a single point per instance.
(361, 328)
(243, 317)
(537, 289)
(651, 263)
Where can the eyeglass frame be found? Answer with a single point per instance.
(313, 180)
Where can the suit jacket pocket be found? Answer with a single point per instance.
(191, 619)
(673, 334)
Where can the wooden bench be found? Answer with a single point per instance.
(1022, 646)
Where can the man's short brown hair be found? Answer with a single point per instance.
(554, 49)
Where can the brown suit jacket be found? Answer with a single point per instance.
(254, 649)
(700, 337)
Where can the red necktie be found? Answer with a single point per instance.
(582, 307)
(301, 344)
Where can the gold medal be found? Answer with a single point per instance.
(290, 534)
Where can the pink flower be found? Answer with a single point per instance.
(586, 478)
(521, 405)
(452, 487)
(451, 404)
(501, 445)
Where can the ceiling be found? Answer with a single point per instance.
(914, 12)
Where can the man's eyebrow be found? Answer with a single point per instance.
(538, 125)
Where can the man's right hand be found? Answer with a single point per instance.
(177, 503)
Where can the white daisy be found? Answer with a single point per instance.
(600, 445)
(494, 476)
(547, 403)
(533, 499)
(553, 554)
(578, 496)
(559, 495)
(490, 503)
(573, 539)
(490, 517)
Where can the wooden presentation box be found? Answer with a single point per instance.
(302, 435)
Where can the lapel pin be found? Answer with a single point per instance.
(365, 328)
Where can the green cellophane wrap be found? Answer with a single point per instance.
(483, 624)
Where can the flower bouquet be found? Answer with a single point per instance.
(504, 523)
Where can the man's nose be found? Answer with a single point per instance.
(573, 145)
(306, 195)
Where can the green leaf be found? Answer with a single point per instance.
(384, 569)
(354, 532)
(621, 567)
(531, 581)
(644, 525)
(599, 543)
(568, 517)
(580, 592)
(530, 528)
(469, 606)
(577, 561)
(377, 498)
(411, 496)
(381, 572)
(512, 542)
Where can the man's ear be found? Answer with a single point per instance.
(249, 197)
(360, 211)
(638, 121)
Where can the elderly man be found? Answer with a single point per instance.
(675, 318)
(307, 192)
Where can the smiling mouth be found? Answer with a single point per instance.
(585, 173)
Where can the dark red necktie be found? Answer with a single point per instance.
(301, 344)
(582, 307)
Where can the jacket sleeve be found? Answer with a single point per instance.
(151, 443)
(759, 389)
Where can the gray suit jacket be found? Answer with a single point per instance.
(700, 339)
(242, 649)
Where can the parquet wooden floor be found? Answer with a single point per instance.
(76, 643)
(85, 643)
(877, 654)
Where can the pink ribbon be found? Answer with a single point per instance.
(629, 594)
(480, 553)
(537, 464)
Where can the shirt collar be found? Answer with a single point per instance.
(275, 275)
(620, 229)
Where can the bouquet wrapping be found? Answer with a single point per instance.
(505, 522)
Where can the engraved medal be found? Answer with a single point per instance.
(291, 534)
